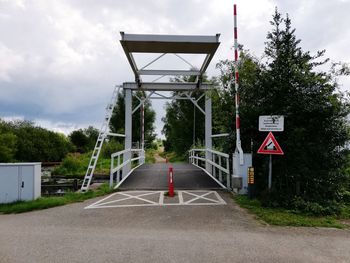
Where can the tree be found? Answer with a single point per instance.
(79, 140)
(315, 116)
(7, 143)
(117, 124)
(84, 139)
(288, 82)
(184, 123)
(23, 141)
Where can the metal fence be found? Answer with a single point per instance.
(218, 166)
(116, 165)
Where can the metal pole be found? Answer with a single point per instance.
(270, 171)
(194, 125)
(220, 172)
(228, 181)
(128, 130)
(142, 125)
(118, 172)
(111, 173)
(208, 129)
(238, 121)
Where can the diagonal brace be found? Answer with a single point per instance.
(142, 101)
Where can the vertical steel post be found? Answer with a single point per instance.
(220, 172)
(270, 172)
(142, 125)
(228, 181)
(214, 167)
(208, 139)
(111, 173)
(128, 130)
(118, 172)
(194, 125)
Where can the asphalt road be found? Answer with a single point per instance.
(155, 177)
(222, 233)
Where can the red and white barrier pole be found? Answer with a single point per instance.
(171, 182)
(238, 121)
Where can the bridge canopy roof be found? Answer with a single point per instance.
(169, 44)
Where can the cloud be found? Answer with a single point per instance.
(12, 62)
(59, 60)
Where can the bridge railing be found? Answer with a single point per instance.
(218, 166)
(117, 164)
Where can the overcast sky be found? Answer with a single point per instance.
(59, 60)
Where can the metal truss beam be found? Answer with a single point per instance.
(167, 86)
(169, 72)
(142, 101)
(195, 103)
(167, 44)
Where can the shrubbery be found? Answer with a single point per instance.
(72, 164)
(24, 142)
(328, 207)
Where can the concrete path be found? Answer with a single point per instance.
(158, 158)
(221, 233)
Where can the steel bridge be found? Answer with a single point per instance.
(207, 168)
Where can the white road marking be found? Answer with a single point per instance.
(161, 198)
(181, 198)
(128, 197)
(199, 195)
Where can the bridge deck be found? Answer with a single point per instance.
(155, 177)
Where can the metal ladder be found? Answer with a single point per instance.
(100, 139)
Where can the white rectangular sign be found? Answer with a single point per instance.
(271, 123)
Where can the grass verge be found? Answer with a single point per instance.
(48, 202)
(283, 217)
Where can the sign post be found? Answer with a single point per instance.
(251, 182)
(270, 146)
(270, 171)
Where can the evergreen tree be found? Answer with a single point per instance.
(315, 118)
(288, 82)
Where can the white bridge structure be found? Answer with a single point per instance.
(123, 163)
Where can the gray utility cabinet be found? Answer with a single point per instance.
(19, 181)
(242, 170)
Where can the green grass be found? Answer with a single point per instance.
(75, 165)
(150, 155)
(283, 217)
(48, 202)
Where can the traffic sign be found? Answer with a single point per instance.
(271, 123)
(270, 146)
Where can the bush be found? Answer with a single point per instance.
(111, 147)
(23, 141)
(274, 199)
(346, 197)
(316, 209)
(153, 145)
(71, 164)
